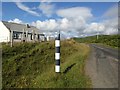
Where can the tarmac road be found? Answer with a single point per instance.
(102, 67)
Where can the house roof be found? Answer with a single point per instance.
(19, 27)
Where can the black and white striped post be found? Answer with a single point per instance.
(57, 53)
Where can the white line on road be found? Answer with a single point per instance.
(116, 60)
(105, 50)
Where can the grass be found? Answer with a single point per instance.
(108, 46)
(31, 65)
(107, 40)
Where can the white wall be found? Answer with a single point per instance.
(4, 33)
(48, 38)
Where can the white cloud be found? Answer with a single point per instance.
(27, 9)
(46, 25)
(111, 26)
(111, 20)
(64, 24)
(74, 18)
(104, 27)
(74, 22)
(75, 12)
(94, 28)
(16, 20)
(111, 12)
(71, 25)
(67, 27)
(47, 8)
(110, 31)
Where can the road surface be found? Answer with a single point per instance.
(102, 67)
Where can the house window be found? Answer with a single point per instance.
(15, 36)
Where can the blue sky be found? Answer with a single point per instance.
(11, 11)
(53, 15)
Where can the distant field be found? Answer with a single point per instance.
(110, 40)
(31, 65)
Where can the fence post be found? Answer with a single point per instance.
(11, 38)
(23, 35)
(57, 53)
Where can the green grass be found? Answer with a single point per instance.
(31, 65)
(109, 40)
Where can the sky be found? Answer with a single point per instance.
(73, 19)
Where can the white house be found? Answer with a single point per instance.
(13, 32)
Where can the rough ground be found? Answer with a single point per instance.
(102, 67)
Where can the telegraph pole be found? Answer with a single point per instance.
(97, 35)
(97, 32)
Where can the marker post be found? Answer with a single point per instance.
(57, 53)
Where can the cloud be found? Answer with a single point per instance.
(64, 24)
(48, 25)
(112, 12)
(103, 27)
(108, 24)
(75, 12)
(75, 18)
(16, 20)
(94, 28)
(111, 26)
(71, 24)
(27, 9)
(111, 20)
(47, 8)
(74, 21)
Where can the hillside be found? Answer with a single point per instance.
(110, 40)
(31, 65)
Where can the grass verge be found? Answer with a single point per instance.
(31, 65)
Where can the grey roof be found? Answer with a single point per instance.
(19, 27)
